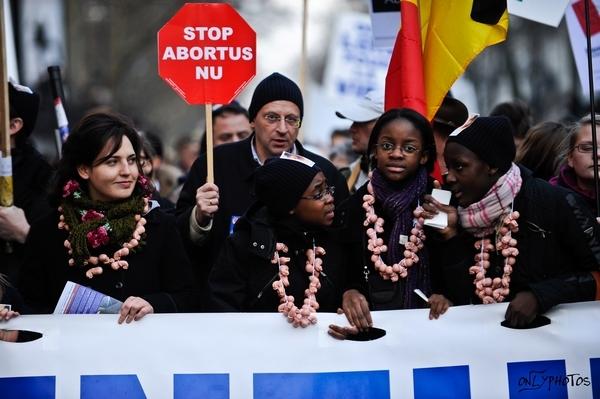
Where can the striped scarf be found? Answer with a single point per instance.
(481, 218)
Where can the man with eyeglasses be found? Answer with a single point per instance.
(207, 212)
(363, 114)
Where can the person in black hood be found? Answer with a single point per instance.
(31, 176)
(295, 209)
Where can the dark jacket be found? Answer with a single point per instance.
(233, 167)
(160, 272)
(31, 177)
(12, 297)
(557, 243)
(242, 277)
(361, 274)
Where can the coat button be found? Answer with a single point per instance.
(254, 244)
(119, 285)
(262, 247)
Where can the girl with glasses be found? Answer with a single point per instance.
(389, 259)
(577, 173)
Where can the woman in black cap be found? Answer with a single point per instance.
(387, 242)
(282, 255)
(513, 237)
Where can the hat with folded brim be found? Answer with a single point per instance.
(366, 109)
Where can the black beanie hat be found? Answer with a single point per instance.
(490, 138)
(275, 87)
(280, 183)
(24, 104)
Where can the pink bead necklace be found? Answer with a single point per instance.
(412, 244)
(497, 289)
(307, 315)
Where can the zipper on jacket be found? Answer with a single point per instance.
(260, 294)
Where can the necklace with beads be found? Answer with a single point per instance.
(412, 244)
(497, 289)
(307, 314)
(93, 225)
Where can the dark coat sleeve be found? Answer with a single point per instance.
(41, 271)
(579, 232)
(187, 198)
(175, 272)
(228, 278)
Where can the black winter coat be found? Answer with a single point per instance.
(557, 243)
(31, 177)
(233, 167)
(242, 277)
(160, 272)
(361, 274)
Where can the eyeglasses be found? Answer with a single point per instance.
(585, 148)
(290, 120)
(321, 194)
(406, 149)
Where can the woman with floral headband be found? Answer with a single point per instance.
(106, 233)
(282, 255)
(513, 237)
(386, 237)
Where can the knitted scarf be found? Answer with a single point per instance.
(481, 218)
(398, 201)
(100, 227)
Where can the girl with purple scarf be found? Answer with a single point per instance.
(402, 151)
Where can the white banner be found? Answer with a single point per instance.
(577, 35)
(464, 354)
(543, 11)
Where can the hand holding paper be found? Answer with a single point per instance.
(440, 220)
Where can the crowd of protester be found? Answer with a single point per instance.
(281, 228)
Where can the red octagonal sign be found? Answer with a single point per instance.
(207, 53)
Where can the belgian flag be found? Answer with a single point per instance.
(437, 41)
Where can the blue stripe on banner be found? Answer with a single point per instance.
(201, 386)
(546, 379)
(111, 386)
(442, 383)
(595, 372)
(28, 387)
(348, 385)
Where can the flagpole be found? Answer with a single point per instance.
(592, 104)
(303, 54)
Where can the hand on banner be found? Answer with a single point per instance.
(13, 224)
(341, 333)
(207, 203)
(356, 309)
(6, 314)
(432, 207)
(522, 310)
(438, 304)
(134, 308)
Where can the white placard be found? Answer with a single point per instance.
(354, 67)
(465, 349)
(576, 26)
(543, 11)
(385, 22)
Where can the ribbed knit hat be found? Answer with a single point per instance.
(24, 104)
(280, 183)
(490, 138)
(275, 87)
